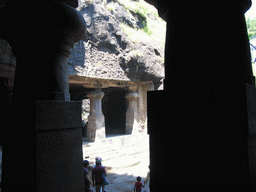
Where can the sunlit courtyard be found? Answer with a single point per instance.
(124, 161)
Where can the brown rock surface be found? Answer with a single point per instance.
(108, 52)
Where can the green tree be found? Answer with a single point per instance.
(251, 29)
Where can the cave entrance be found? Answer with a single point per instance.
(114, 109)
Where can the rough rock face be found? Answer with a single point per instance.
(107, 51)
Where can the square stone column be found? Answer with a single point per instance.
(132, 124)
(201, 115)
(41, 99)
(142, 104)
(96, 119)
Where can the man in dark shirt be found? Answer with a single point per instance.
(97, 176)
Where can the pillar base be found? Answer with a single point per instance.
(59, 146)
(96, 127)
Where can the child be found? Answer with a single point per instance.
(86, 177)
(138, 185)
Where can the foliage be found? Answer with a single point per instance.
(134, 35)
(153, 28)
(136, 53)
(99, 63)
(141, 9)
(251, 27)
(251, 30)
(110, 7)
(140, 6)
(147, 30)
(85, 115)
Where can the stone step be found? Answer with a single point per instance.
(118, 162)
(112, 153)
(98, 154)
(112, 160)
(128, 160)
(114, 150)
(122, 161)
(97, 151)
(106, 151)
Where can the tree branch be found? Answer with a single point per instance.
(253, 46)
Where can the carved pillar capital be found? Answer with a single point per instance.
(72, 30)
(95, 95)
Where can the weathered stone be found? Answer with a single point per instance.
(59, 154)
(106, 47)
(132, 125)
(96, 119)
(52, 114)
(142, 104)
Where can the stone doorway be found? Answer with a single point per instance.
(114, 108)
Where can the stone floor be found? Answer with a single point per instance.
(122, 179)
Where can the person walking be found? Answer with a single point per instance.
(86, 177)
(97, 178)
(96, 160)
(138, 185)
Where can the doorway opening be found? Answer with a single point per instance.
(114, 108)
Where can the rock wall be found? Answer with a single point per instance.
(108, 52)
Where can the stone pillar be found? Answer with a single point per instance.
(58, 120)
(132, 113)
(41, 103)
(201, 115)
(96, 119)
(142, 103)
